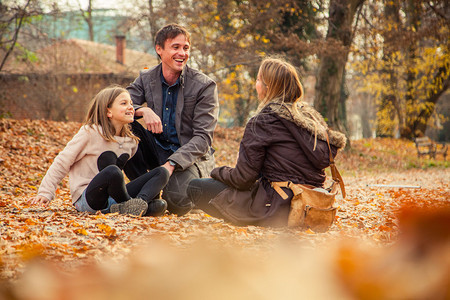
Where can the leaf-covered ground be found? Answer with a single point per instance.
(49, 252)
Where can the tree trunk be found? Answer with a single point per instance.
(332, 60)
(152, 21)
(89, 21)
(413, 21)
(87, 16)
(392, 16)
(419, 126)
(172, 7)
(342, 109)
(366, 115)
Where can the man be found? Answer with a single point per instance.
(180, 118)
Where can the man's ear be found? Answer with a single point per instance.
(158, 49)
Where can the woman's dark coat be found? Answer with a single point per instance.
(275, 147)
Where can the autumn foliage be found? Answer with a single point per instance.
(387, 242)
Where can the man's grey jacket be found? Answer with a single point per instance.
(196, 113)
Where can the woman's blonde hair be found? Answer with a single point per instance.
(98, 110)
(282, 83)
(283, 87)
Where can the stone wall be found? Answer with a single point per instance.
(59, 97)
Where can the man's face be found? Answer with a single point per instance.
(175, 53)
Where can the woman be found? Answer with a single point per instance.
(285, 141)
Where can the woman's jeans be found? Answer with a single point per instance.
(202, 190)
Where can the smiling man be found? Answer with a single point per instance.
(180, 118)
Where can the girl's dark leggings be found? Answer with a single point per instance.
(110, 182)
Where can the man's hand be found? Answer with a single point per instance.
(151, 120)
(38, 200)
(169, 167)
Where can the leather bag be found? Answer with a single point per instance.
(312, 208)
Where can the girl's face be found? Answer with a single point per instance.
(261, 87)
(121, 111)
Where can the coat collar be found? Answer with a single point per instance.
(309, 119)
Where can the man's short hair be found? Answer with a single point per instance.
(170, 31)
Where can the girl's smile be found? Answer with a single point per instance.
(121, 111)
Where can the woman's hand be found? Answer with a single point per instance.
(38, 200)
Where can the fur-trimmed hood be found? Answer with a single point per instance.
(309, 119)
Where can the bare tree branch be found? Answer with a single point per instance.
(20, 15)
(88, 19)
(437, 11)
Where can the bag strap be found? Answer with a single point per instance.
(334, 171)
(277, 185)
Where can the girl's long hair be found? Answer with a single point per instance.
(282, 84)
(97, 113)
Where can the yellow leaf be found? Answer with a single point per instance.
(81, 231)
(30, 250)
(30, 222)
(107, 230)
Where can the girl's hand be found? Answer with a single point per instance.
(38, 200)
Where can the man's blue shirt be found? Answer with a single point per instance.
(168, 139)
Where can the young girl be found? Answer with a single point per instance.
(94, 159)
(285, 141)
